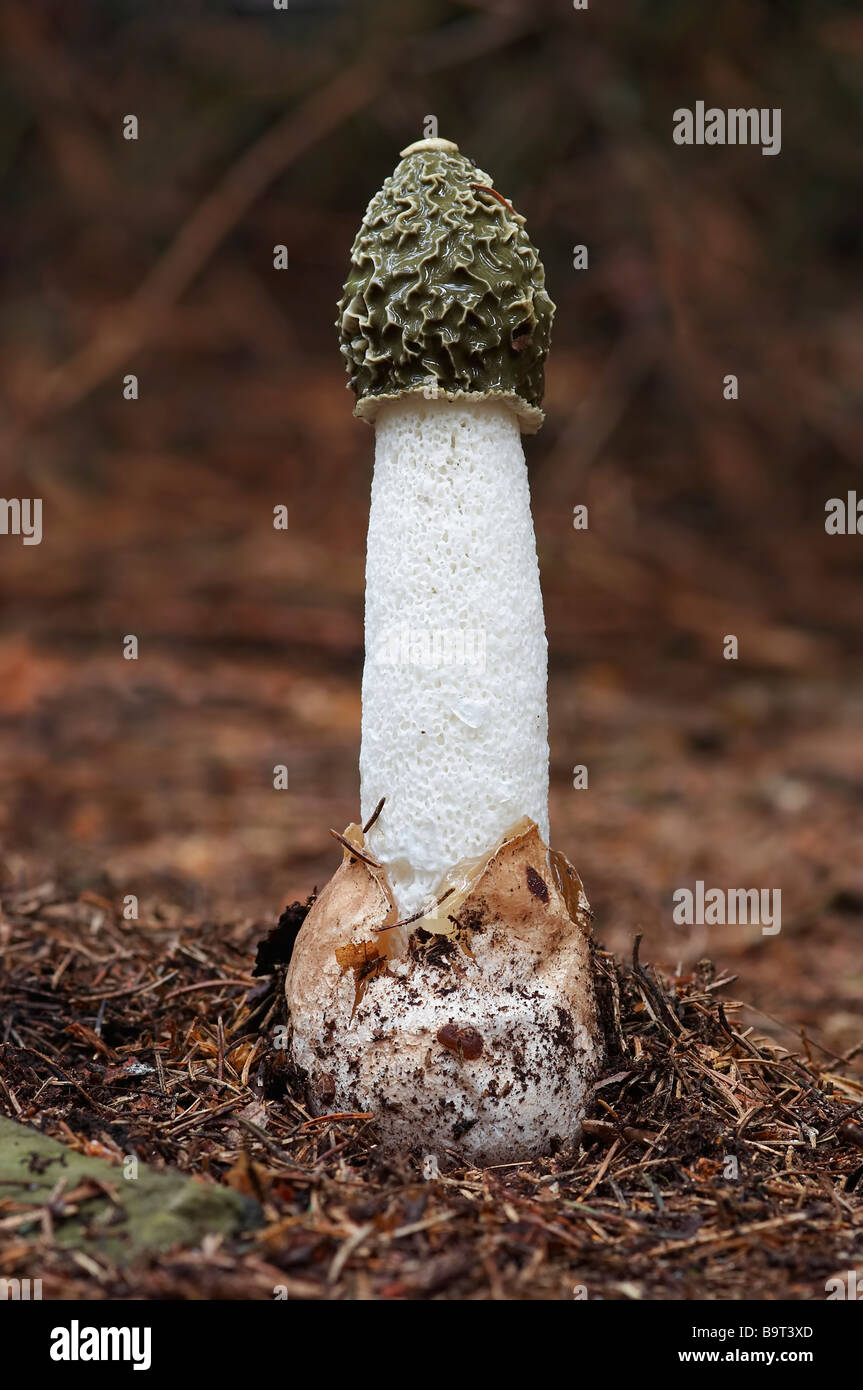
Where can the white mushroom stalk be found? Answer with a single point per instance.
(442, 980)
(455, 729)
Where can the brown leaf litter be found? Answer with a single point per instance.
(155, 1038)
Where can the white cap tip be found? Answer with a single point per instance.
(432, 143)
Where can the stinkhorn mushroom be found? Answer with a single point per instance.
(442, 980)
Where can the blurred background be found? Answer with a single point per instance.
(155, 257)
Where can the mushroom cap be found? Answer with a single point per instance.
(446, 293)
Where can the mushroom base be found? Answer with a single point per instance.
(470, 1033)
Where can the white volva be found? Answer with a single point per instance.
(455, 725)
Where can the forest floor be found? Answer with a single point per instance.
(724, 1157)
(716, 1164)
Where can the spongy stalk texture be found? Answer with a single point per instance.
(455, 723)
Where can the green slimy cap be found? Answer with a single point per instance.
(446, 294)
